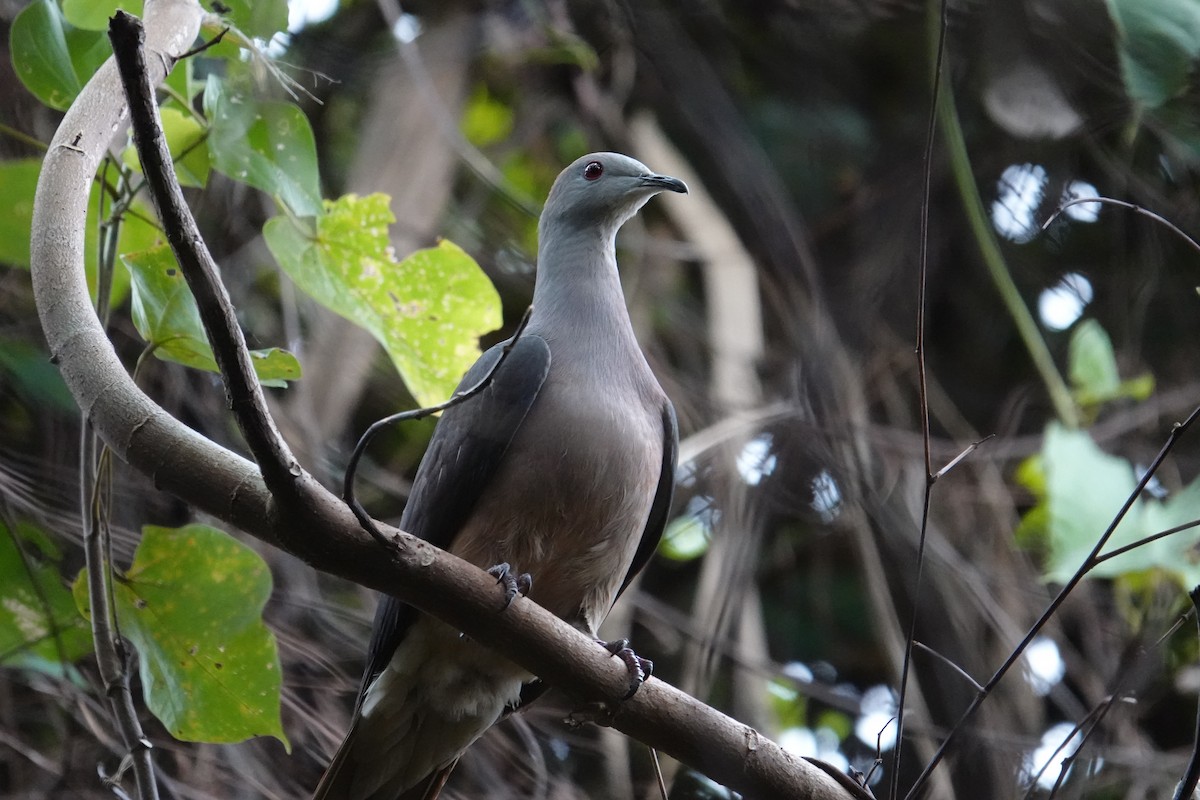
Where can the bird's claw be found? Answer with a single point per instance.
(639, 668)
(513, 584)
(596, 712)
(601, 712)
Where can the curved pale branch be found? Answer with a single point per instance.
(323, 532)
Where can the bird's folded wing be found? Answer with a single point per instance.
(656, 523)
(468, 447)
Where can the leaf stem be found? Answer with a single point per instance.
(993, 259)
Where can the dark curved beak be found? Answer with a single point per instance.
(664, 183)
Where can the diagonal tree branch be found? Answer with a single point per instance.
(312, 524)
(243, 391)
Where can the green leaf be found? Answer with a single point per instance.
(1084, 489)
(789, 705)
(192, 604)
(428, 311)
(837, 721)
(52, 58)
(1092, 366)
(1032, 475)
(485, 119)
(566, 48)
(268, 145)
(185, 140)
(1139, 388)
(27, 371)
(686, 538)
(39, 625)
(1158, 44)
(18, 182)
(93, 15)
(258, 18)
(165, 314)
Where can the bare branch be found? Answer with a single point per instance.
(939, 49)
(971, 448)
(962, 672)
(1146, 540)
(279, 467)
(1145, 212)
(1191, 776)
(112, 656)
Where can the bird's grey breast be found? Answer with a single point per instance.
(582, 470)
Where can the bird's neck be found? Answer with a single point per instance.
(577, 296)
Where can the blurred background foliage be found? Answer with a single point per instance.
(778, 305)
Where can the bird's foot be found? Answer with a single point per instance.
(596, 712)
(601, 712)
(513, 584)
(639, 668)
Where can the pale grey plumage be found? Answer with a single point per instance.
(562, 468)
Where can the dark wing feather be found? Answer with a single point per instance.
(661, 507)
(468, 446)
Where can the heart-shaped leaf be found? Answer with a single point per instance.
(192, 604)
(428, 310)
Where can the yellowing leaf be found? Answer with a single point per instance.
(486, 120)
(192, 605)
(686, 538)
(428, 310)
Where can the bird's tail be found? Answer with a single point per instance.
(438, 694)
(338, 781)
(335, 783)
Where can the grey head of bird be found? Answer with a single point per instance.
(599, 192)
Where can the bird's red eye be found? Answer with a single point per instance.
(593, 170)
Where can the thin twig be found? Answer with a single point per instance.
(1124, 677)
(279, 467)
(1145, 212)
(658, 774)
(22, 137)
(1146, 540)
(1191, 775)
(1088, 564)
(923, 396)
(200, 48)
(877, 763)
(348, 493)
(1092, 721)
(945, 660)
(111, 656)
(971, 448)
